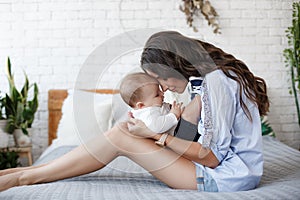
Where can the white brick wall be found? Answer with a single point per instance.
(52, 39)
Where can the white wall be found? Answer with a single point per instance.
(51, 39)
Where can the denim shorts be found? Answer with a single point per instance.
(205, 183)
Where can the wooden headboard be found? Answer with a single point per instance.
(56, 98)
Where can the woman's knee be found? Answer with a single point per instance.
(127, 144)
(119, 137)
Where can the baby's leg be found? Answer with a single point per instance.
(192, 111)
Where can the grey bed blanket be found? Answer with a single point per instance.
(122, 179)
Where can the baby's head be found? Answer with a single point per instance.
(140, 90)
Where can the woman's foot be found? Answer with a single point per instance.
(9, 180)
(10, 170)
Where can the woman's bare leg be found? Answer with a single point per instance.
(77, 162)
(192, 111)
(17, 169)
(164, 164)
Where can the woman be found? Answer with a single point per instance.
(228, 155)
(233, 100)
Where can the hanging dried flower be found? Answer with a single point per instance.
(194, 7)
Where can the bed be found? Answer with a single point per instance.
(123, 179)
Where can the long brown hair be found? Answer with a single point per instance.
(170, 54)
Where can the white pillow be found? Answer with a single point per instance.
(119, 110)
(84, 115)
(93, 114)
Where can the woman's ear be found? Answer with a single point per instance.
(139, 105)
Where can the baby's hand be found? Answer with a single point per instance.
(177, 109)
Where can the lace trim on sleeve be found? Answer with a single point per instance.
(208, 123)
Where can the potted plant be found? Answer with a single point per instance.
(4, 137)
(9, 159)
(292, 55)
(266, 129)
(1, 107)
(19, 109)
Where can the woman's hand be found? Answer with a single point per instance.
(138, 128)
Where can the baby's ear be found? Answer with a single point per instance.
(139, 105)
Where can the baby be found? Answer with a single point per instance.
(142, 93)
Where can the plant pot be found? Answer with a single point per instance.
(21, 139)
(4, 137)
(3, 123)
(11, 140)
(30, 131)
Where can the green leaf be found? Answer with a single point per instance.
(9, 159)
(25, 89)
(27, 114)
(10, 126)
(9, 75)
(9, 107)
(24, 130)
(19, 114)
(266, 129)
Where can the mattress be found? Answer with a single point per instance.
(123, 179)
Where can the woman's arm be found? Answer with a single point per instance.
(191, 150)
(188, 149)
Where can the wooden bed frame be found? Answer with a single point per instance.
(56, 98)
